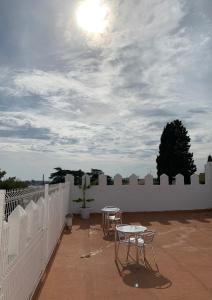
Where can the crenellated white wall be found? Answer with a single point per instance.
(148, 197)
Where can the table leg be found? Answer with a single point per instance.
(137, 255)
(115, 245)
(107, 223)
(103, 222)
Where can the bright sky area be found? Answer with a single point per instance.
(91, 84)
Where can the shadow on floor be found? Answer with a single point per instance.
(165, 218)
(146, 218)
(140, 277)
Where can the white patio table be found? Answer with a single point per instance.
(132, 231)
(106, 211)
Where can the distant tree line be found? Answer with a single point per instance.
(11, 182)
(59, 176)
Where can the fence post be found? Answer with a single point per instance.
(61, 202)
(46, 222)
(70, 180)
(46, 202)
(2, 202)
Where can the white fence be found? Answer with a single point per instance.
(148, 197)
(28, 239)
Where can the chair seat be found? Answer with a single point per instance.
(138, 242)
(114, 218)
(134, 241)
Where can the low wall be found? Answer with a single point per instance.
(148, 197)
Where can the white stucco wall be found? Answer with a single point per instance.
(148, 197)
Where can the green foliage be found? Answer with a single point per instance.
(202, 178)
(125, 181)
(11, 182)
(2, 173)
(94, 175)
(83, 200)
(209, 158)
(174, 156)
(59, 175)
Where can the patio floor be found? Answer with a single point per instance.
(84, 267)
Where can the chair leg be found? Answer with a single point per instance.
(128, 252)
(117, 250)
(144, 256)
(146, 263)
(153, 252)
(141, 251)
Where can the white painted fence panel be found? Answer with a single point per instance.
(28, 239)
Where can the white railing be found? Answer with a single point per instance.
(28, 236)
(21, 197)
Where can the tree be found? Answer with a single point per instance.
(209, 158)
(94, 175)
(59, 175)
(174, 156)
(2, 173)
(11, 182)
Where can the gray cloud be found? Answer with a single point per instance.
(200, 110)
(104, 98)
(25, 132)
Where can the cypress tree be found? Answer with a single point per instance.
(174, 156)
(209, 158)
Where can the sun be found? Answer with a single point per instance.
(92, 16)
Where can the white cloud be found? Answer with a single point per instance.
(107, 98)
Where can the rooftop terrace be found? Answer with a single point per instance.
(84, 268)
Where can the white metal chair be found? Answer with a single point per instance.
(143, 241)
(115, 219)
(105, 218)
(123, 238)
(111, 219)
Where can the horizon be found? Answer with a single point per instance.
(94, 89)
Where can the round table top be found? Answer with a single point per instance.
(110, 209)
(131, 228)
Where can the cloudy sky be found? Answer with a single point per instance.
(80, 99)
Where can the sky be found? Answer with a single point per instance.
(76, 99)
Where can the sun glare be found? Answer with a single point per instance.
(92, 16)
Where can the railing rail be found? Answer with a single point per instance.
(21, 197)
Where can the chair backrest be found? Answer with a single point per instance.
(148, 236)
(111, 212)
(118, 214)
